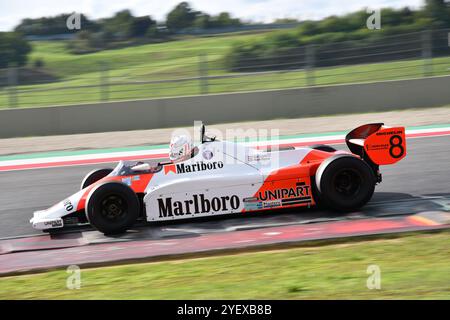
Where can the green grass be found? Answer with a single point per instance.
(176, 60)
(412, 267)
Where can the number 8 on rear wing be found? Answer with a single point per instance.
(378, 144)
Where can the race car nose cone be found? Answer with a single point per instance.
(39, 221)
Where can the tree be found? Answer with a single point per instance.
(181, 17)
(285, 21)
(123, 23)
(120, 25)
(203, 21)
(308, 28)
(335, 24)
(14, 49)
(52, 25)
(140, 26)
(153, 33)
(224, 20)
(438, 11)
(358, 19)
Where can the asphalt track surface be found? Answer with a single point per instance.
(425, 172)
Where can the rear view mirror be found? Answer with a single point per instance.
(209, 137)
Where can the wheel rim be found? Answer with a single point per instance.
(114, 207)
(347, 182)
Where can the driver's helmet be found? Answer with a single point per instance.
(180, 148)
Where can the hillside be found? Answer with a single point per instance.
(174, 69)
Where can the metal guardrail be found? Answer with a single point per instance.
(404, 56)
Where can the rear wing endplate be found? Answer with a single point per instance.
(380, 144)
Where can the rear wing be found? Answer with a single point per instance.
(377, 143)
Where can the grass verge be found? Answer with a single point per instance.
(414, 266)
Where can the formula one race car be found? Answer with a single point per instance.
(220, 177)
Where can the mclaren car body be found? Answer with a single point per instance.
(226, 178)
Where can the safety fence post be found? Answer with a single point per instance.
(310, 63)
(104, 81)
(12, 87)
(427, 53)
(203, 73)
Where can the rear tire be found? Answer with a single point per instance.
(112, 207)
(94, 176)
(345, 183)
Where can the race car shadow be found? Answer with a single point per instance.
(383, 204)
(388, 204)
(390, 196)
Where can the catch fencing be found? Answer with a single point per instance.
(406, 56)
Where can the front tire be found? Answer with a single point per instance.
(112, 207)
(345, 183)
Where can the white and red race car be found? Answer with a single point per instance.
(225, 178)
